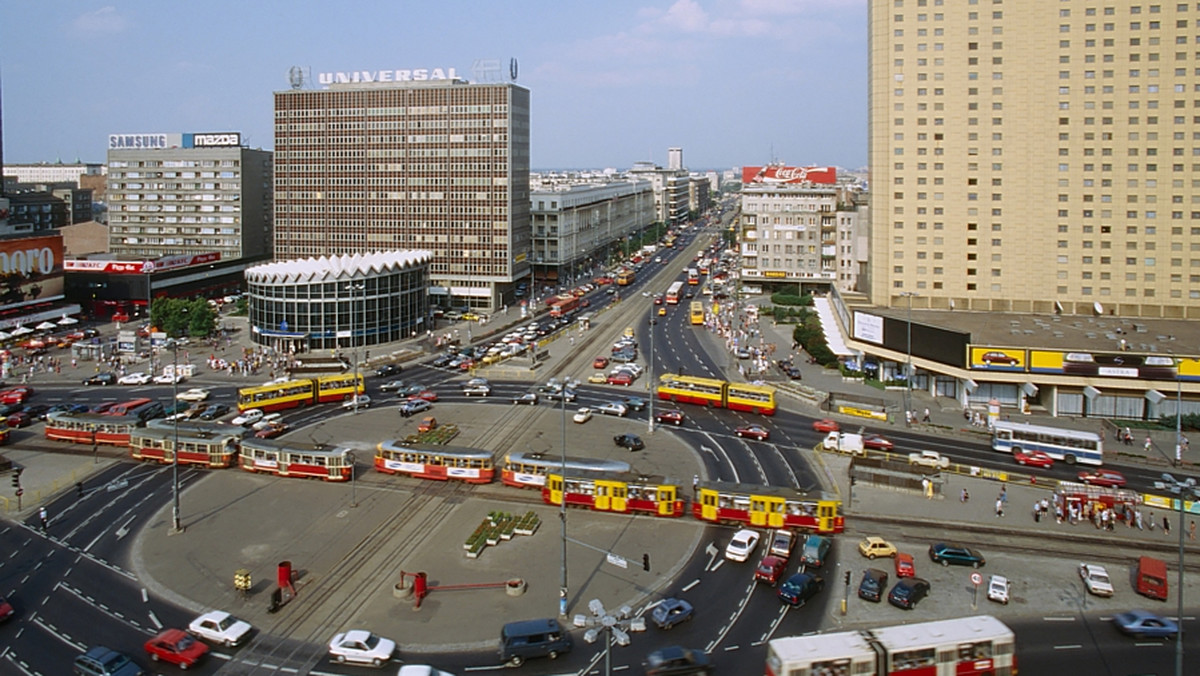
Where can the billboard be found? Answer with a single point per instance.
(1114, 365)
(225, 139)
(776, 174)
(141, 267)
(31, 270)
(998, 358)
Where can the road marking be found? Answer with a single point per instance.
(691, 584)
(1144, 644)
(145, 596)
(154, 620)
(1058, 619)
(1074, 646)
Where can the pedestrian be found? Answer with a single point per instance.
(999, 507)
(1137, 517)
(1183, 441)
(1166, 525)
(1192, 531)
(1150, 521)
(44, 517)
(1037, 511)
(1149, 443)
(925, 418)
(695, 482)
(908, 417)
(1004, 494)
(963, 496)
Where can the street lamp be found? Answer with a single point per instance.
(1184, 489)
(361, 286)
(908, 370)
(650, 382)
(353, 487)
(562, 507)
(615, 627)
(176, 526)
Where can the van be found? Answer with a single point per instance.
(532, 638)
(1150, 579)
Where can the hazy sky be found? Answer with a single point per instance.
(612, 82)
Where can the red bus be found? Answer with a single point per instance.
(564, 304)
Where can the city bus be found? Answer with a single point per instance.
(968, 646)
(718, 393)
(436, 462)
(625, 277)
(301, 392)
(693, 276)
(697, 313)
(674, 292)
(91, 428)
(529, 469)
(155, 444)
(291, 459)
(1070, 446)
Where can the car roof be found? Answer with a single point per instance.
(356, 635)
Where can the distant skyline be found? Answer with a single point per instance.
(732, 82)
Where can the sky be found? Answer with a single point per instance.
(614, 82)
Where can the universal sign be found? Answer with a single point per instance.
(359, 76)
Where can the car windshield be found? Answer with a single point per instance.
(226, 623)
(114, 662)
(1096, 576)
(870, 582)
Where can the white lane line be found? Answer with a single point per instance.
(1074, 646)
(154, 620)
(1058, 619)
(691, 584)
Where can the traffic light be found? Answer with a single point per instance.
(847, 578)
(79, 488)
(646, 562)
(16, 477)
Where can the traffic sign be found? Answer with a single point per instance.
(976, 579)
(20, 492)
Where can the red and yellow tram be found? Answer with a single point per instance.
(291, 459)
(529, 469)
(620, 492)
(767, 507)
(188, 447)
(91, 428)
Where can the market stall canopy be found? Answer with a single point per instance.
(67, 321)
(21, 331)
(46, 326)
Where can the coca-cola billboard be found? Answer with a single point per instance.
(780, 174)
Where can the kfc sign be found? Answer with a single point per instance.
(777, 174)
(141, 267)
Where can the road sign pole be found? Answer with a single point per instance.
(976, 580)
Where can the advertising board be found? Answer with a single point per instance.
(1115, 365)
(868, 327)
(31, 270)
(777, 174)
(997, 358)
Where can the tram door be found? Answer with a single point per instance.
(766, 511)
(708, 505)
(554, 489)
(665, 499)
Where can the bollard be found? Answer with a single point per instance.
(420, 588)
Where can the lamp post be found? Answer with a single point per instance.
(353, 486)
(1184, 489)
(562, 508)
(650, 382)
(908, 363)
(176, 526)
(615, 627)
(361, 286)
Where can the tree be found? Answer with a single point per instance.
(183, 316)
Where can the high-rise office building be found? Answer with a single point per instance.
(439, 165)
(1033, 156)
(675, 158)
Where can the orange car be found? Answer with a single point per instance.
(427, 423)
(904, 565)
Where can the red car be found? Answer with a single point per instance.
(427, 395)
(1033, 458)
(6, 609)
(600, 362)
(826, 425)
(20, 419)
(669, 416)
(271, 431)
(876, 442)
(770, 569)
(1103, 477)
(754, 432)
(177, 647)
(16, 395)
(904, 565)
(467, 365)
(620, 379)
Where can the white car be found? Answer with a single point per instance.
(616, 408)
(218, 626)
(362, 647)
(742, 545)
(422, 670)
(929, 459)
(248, 417)
(194, 394)
(998, 589)
(363, 401)
(266, 421)
(136, 378)
(168, 379)
(583, 415)
(1095, 578)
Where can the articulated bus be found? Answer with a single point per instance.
(529, 469)
(291, 459)
(718, 393)
(768, 507)
(302, 392)
(1071, 446)
(969, 646)
(674, 292)
(91, 428)
(435, 462)
(165, 446)
(697, 313)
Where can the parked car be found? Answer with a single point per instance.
(770, 569)
(105, 378)
(598, 378)
(826, 425)
(676, 661)
(904, 565)
(361, 647)
(998, 589)
(177, 647)
(670, 416)
(1033, 458)
(670, 612)
(742, 545)
(413, 407)
(872, 547)
(219, 627)
(1096, 579)
(194, 394)
(102, 661)
(754, 432)
(799, 588)
(214, 411)
(874, 581)
(620, 378)
(135, 378)
(582, 415)
(631, 441)
(815, 548)
(20, 419)
(1103, 477)
(947, 554)
(1145, 624)
(908, 592)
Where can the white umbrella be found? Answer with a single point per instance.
(46, 326)
(21, 331)
(67, 321)
(5, 336)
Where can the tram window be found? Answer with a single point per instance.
(741, 502)
(975, 651)
(725, 501)
(435, 460)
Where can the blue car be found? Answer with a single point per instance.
(799, 588)
(1145, 624)
(670, 612)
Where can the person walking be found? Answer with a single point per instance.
(925, 418)
(964, 496)
(1149, 443)
(1166, 525)
(999, 507)
(44, 517)
(1192, 531)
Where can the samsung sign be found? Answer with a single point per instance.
(230, 139)
(137, 141)
(359, 76)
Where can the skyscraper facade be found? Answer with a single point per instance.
(437, 165)
(1033, 156)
